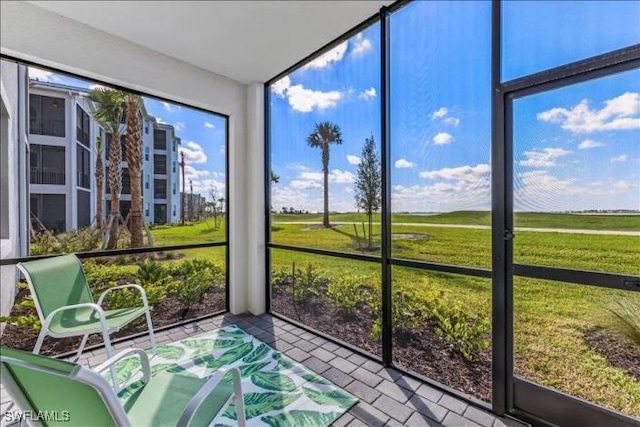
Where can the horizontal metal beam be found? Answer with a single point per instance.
(117, 252)
(593, 278)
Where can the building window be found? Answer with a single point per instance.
(126, 181)
(160, 188)
(160, 164)
(47, 165)
(174, 188)
(82, 126)
(84, 209)
(48, 211)
(174, 145)
(173, 167)
(160, 213)
(146, 127)
(146, 154)
(46, 115)
(83, 160)
(159, 139)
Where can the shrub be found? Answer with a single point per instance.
(29, 320)
(306, 284)
(624, 317)
(468, 333)
(345, 292)
(407, 310)
(279, 276)
(197, 266)
(191, 291)
(82, 240)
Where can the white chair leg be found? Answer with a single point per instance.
(152, 335)
(38, 346)
(112, 369)
(82, 344)
(239, 398)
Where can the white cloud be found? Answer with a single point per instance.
(620, 158)
(622, 186)
(191, 173)
(167, 106)
(353, 160)
(193, 153)
(368, 94)
(306, 100)
(178, 126)
(298, 184)
(453, 121)
(617, 114)
(333, 55)
(42, 75)
(590, 143)
(545, 158)
(442, 138)
(439, 113)
(281, 86)
(160, 121)
(209, 125)
(98, 86)
(459, 188)
(361, 45)
(336, 176)
(404, 164)
(462, 173)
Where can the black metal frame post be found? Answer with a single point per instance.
(387, 319)
(267, 196)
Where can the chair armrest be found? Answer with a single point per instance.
(140, 289)
(144, 360)
(92, 305)
(207, 388)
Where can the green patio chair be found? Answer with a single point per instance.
(66, 307)
(67, 394)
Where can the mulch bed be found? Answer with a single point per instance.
(166, 312)
(620, 353)
(419, 349)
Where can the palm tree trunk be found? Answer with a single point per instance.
(325, 216)
(115, 184)
(134, 161)
(99, 191)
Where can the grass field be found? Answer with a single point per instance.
(522, 219)
(551, 318)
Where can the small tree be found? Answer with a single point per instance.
(368, 183)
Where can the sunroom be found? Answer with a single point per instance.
(433, 205)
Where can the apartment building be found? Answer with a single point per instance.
(62, 162)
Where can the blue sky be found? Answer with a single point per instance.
(203, 136)
(576, 148)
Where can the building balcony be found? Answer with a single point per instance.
(47, 127)
(51, 176)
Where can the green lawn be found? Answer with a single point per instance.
(551, 318)
(522, 219)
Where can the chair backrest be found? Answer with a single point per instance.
(58, 392)
(56, 282)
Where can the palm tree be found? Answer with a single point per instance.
(107, 107)
(323, 135)
(99, 174)
(134, 162)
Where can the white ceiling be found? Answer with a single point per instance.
(242, 40)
